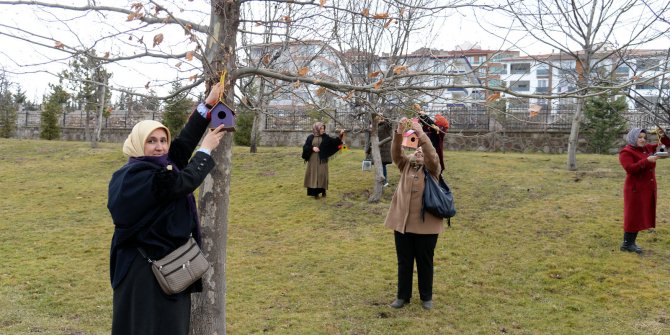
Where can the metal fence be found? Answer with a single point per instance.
(296, 120)
(118, 119)
(459, 118)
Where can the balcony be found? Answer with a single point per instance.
(542, 90)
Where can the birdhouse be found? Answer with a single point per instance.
(222, 115)
(410, 140)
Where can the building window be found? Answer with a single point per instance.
(542, 70)
(521, 68)
(623, 69)
(647, 64)
(520, 86)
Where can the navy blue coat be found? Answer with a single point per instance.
(153, 207)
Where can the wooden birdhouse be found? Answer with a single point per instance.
(410, 140)
(223, 115)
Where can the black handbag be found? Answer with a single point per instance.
(437, 198)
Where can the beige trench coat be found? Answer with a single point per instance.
(404, 215)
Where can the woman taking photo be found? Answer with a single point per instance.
(316, 150)
(152, 205)
(415, 234)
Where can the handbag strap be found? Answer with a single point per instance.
(144, 255)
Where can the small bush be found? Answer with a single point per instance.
(243, 124)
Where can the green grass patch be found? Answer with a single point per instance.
(532, 250)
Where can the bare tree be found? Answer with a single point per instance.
(171, 36)
(585, 32)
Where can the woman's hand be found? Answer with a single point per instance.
(652, 159)
(316, 149)
(416, 126)
(214, 94)
(213, 138)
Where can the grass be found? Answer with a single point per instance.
(532, 250)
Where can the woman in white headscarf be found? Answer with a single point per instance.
(152, 205)
(638, 158)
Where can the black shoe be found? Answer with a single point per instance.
(631, 248)
(399, 303)
(427, 305)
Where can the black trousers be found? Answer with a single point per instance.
(419, 247)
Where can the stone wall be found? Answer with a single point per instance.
(555, 142)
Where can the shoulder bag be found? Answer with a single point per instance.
(180, 268)
(437, 198)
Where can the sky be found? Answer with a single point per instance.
(32, 66)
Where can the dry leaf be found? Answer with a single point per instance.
(399, 69)
(286, 19)
(365, 12)
(193, 77)
(59, 45)
(106, 56)
(189, 56)
(187, 28)
(178, 65)
(136, 6)
(381, 16)
(349, 95)
(147, 85)
(296, 84)
(266, 59)
(416, 107)
(388, 23)
(378, 84)
(533, 114)
(493, 97)
(157, 9)
(158, 39)
(320, 91)
(374, 74)
(402, 11)
(259, 23)
(322, 3)
(303, 71)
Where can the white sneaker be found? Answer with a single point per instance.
(387, 184)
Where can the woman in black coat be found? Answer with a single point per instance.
(316, 150)
(152, 205)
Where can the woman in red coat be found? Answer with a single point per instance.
(639, 191)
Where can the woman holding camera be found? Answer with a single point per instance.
(316, 150)
(415, 235)
(152, 205)
(639, 158)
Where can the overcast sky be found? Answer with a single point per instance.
(30, 65)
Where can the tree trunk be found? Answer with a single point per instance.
(573, 140)
(209, 307)
(98, 125)
(258, 118)
(377, 161)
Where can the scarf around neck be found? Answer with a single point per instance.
(163, 161)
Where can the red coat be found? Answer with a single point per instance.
(639, 189)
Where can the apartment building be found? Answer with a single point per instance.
(639, 72)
